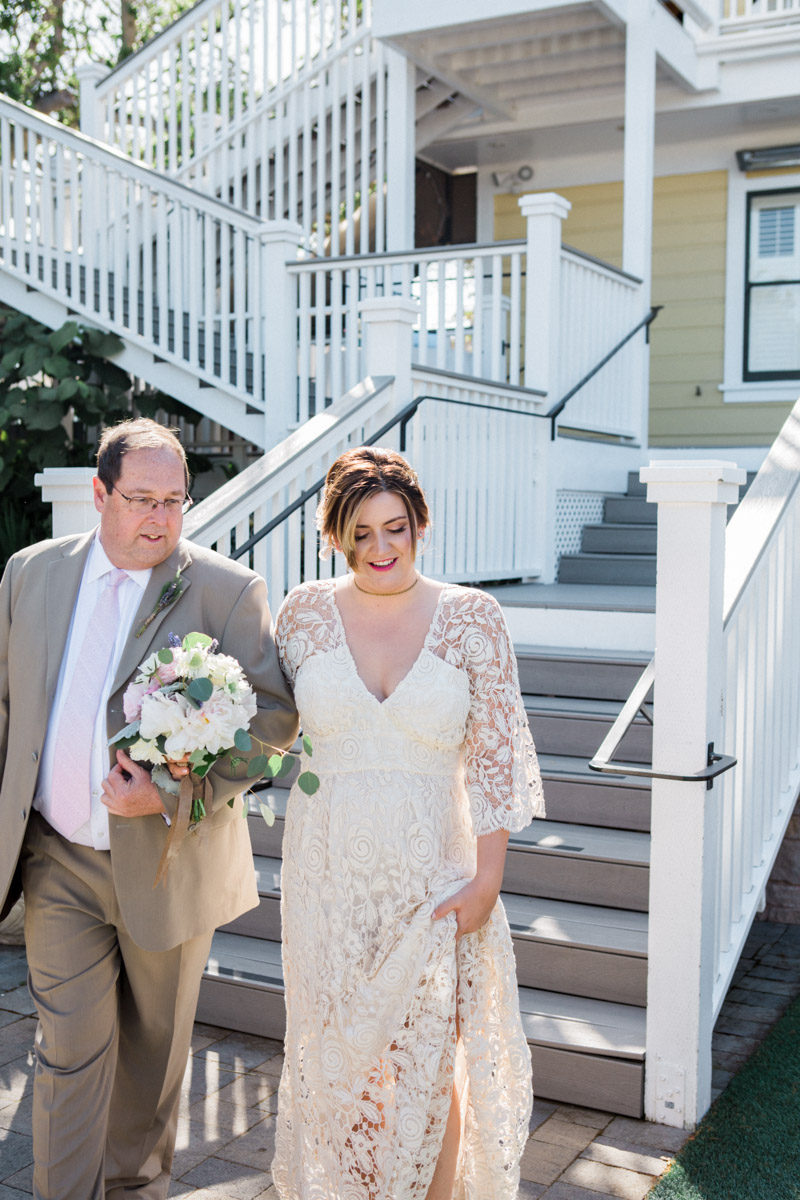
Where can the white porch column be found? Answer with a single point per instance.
(89, 75)
(275, 305)
(387, 323)
(544, 213)
(69, 490)
(640, 107)
(401, 151)
(692, 499)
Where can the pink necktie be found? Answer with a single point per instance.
(70, 789)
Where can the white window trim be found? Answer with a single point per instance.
(734, 388)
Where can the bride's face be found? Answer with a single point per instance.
(384, 543)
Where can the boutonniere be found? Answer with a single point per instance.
(169, 594)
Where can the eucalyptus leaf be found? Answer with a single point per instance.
(196, 639)
(165, 655)
(275, 761)
(242, 740)
(308, 782)
(257, 766)
(286, 766)
(201, 689)
(309, 749)
(267, 813)
(130, 731)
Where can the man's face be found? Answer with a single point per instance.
(134, 540)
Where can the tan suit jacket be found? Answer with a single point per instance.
(212, 880)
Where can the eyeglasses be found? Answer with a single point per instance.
(148, 504)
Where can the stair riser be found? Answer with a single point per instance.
(584, 881)
(633, 510)
(600, 805)
(589, 1080)
(587, 680)
(540, 964)
(600, 539)
(629, 572)
(580, 736)
(606, 1084)
(574, 971)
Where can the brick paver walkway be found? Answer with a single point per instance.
(227, 1124)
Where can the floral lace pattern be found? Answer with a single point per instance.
(376, 991)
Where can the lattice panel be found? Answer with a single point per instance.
(573, 511)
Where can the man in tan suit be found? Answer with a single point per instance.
(114, 963)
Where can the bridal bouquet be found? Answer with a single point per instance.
(192, 704)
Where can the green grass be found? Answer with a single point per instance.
(748, 1145)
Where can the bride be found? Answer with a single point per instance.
(407, 1074)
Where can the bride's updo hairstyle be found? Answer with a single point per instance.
(353, 478)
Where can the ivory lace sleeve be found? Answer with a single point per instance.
(305, 625)
(501, 769)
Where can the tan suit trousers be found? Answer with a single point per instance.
(115, 1024)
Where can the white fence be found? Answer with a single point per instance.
(611, 401)
(761, 723)
(471, 304)
(459, 443)
(171, 270)
(469, 314)
(278, 106)
(727, 673)
(739, 14)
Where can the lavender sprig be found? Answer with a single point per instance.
(169, 594)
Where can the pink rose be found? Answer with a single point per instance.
(167, 672)
(132, 700)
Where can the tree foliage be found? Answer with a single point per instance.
(57, 388)
(42, 41)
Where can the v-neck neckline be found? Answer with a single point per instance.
(351, 656)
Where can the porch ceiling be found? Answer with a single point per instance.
(509, 64)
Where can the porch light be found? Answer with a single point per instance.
(769, 156)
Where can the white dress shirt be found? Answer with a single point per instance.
(93, 832)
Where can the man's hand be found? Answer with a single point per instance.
(136, 796)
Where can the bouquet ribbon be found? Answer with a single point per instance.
(179, 825)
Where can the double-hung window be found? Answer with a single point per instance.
(772, 286)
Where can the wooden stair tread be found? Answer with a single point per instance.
(564, 766)
(584, 926)
(584, 841)
(576, 707)
(584, 1025)
(549, 1018)
(535, 918)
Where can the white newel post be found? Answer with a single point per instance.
(69, 490)
(544, 214)
(387, 323)
(89, 75)
(692, 500)
(276, 309)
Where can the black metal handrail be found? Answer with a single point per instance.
(635, 706)
(406, 413)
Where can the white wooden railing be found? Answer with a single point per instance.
(278, 106)
(479, 532)
(727, 676)
(739, 14)
(211, 70)
(178, 273)
(471, 302)
(761, 721)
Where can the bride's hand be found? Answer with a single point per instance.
(472, 904)
(178, 767)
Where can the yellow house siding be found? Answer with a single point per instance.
(686, 348)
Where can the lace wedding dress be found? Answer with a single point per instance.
(377, 992)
